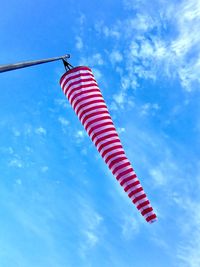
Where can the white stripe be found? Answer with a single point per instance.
(112, 152)
(122, 170)
(99, 123)
(76, 86)
(109, 146)
(76, 91)
(116, 157)
(148, 214)
(145, 207)
(133, 188)
(95, 105)
(126, 176)
(67, 90)
(93, 111)
(141, 201)
(101, 129)
(131, 181)
(74, 74)
(70, 81)
(103, 135)
(118, 164)
(98, 116)
(77, 79)
(87, 101)
(137, 195)
(107, 140)
(83, 90)
(78, 98)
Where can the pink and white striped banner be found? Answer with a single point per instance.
(83, 93)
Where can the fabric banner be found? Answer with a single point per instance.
(84, 95)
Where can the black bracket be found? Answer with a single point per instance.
(67, 65)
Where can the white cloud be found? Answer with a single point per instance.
(186, 46)
(113, 106)
(62, 102)
(91, 223)
(16, 162)
(158, 176)
(190, 75)
(97, 58)
(7, 150)
(111, 32)
(44, 169)
(91, 238)
(82, 19)
(149, 109)
(63, 121)
(80, 134)
(97, 73)
(79, 43)
(187, 18)
(41, 131)
(27, 130)
(189, 247)
(121, 130)
(93, 60)
(16, 132)
(125, 82)
(18, 181)
(120, 99)
(148, 48)
(130, 227)
(115, 57)
(84, 151)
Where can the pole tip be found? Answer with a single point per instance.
(66, 56)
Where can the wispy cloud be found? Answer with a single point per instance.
(189, 247)
(79, 43)
(91, 225)
(80, 135)
(130, 227)
(63, 121)
(41, 131)
(44, 169)
(149, 108)
(16, 162)
(93, 60)
(149, 49)
(116, 56)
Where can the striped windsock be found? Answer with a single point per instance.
(84, 95)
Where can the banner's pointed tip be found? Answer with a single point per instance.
(153, 219)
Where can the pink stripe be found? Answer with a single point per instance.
(67, 90)
(91, 106)
(82, 91)
(92, 112)
(74, 74)
(79, 89)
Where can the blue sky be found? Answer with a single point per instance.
(59, 204)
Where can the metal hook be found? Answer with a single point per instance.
(67, 65)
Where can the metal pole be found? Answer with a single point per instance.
(20, 65)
